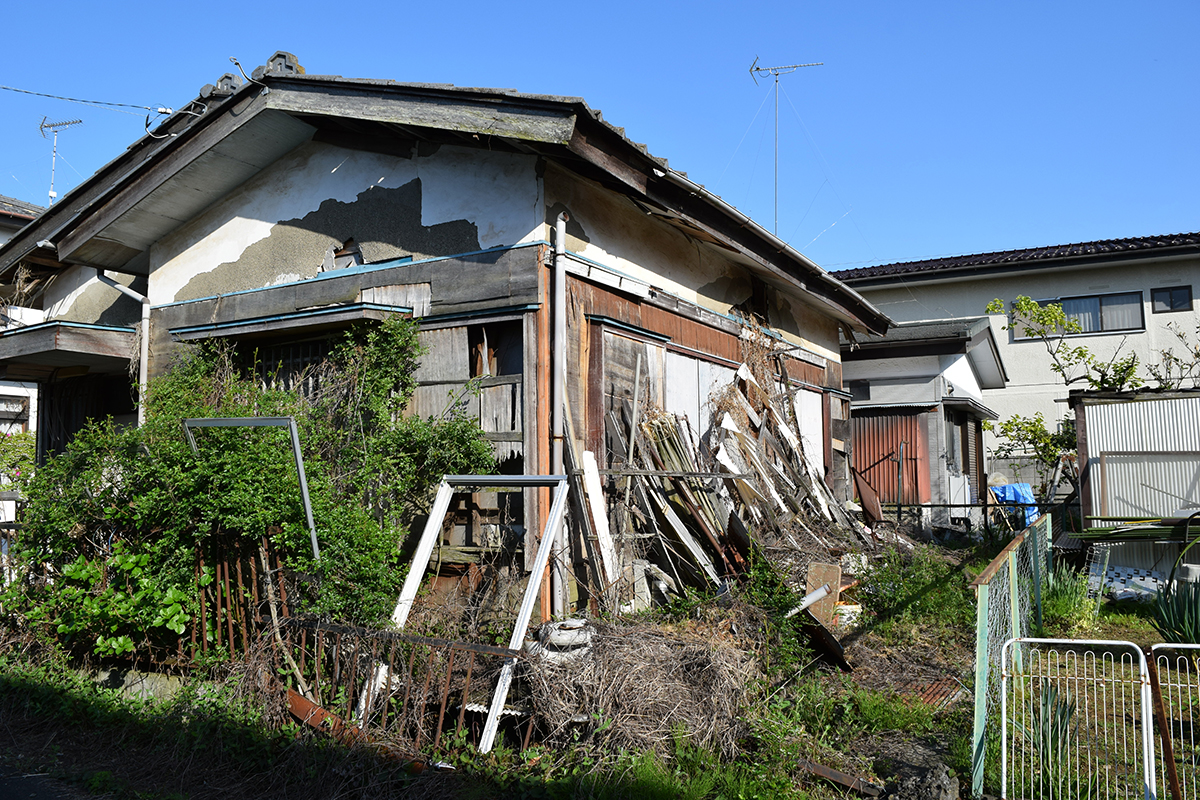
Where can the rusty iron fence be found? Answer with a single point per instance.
(392, 686)
(1175, 691)
(1008, 604)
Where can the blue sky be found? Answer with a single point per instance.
(932, 129)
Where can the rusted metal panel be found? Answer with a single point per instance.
(683, 332)
(877, 436)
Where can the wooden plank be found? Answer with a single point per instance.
(511, 117)
(699, 557)
(416, 296)
(599, 516)
(532, 433)
(820, 575)
(446, 356)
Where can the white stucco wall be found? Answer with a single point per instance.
(1032, 386)
(619, 235)
(499, 192)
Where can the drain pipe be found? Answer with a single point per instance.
(144, 357)
(558, 577)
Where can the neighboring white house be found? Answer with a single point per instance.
(1124, 293)
(917, 391)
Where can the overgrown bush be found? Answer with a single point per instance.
(917, 587)
(1065, 602)
(1177, 612)
(114, 524)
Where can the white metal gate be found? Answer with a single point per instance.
(1076, 720)
(1176, 669)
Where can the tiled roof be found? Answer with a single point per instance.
(10, 206)
(1028, 258)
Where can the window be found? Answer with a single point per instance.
(1173, 298)
(1105, 312)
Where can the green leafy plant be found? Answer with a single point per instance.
(1051, 326)
(917, 587)
(1065, 602)
(1053, 737)
(1174, 369)
(1021, 436)
(115, 523)
(1177, 612)
(17, 452)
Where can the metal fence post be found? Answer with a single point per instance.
(1036, 558)
(1014, 603)
(979, 728)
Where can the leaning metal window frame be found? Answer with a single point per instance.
(420, 562)
(263, 422)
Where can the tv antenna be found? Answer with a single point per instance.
(755, 71)
(55, 127)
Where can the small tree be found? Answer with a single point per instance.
(1050, 325)
(1029, 436)
(1173, 370)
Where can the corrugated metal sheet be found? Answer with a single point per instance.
(1143, 456)
(1145, 484)
(877, 434)
(1171, 425)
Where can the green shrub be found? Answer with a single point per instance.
(918, 587)
(114, 523)
(1065, 602)
(1177, 612)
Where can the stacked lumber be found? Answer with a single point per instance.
(689, 510)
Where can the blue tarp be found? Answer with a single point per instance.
(1018, 493)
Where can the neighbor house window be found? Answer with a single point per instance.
(1172, 298)
(1105, 312)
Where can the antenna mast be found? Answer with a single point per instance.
(55, 127)
(755, 71)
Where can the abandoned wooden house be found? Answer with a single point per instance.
(282, 209)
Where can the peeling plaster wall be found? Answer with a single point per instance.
(609, 229)
(76, 295)
(279, 226)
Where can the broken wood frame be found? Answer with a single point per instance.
(416, 572)
(426, 680)
(263, 422)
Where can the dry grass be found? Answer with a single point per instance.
(642, 684)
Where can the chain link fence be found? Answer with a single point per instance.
(1008, 606)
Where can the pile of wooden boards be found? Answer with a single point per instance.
(680, 509)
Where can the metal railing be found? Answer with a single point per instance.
(1076, 720)
(1008, 606)
(430, 687)
(1175, 685)
(1099, 719)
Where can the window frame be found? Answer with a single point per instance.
(1140, 327)
(1170, 290)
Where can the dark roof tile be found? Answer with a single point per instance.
(1028, 257)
